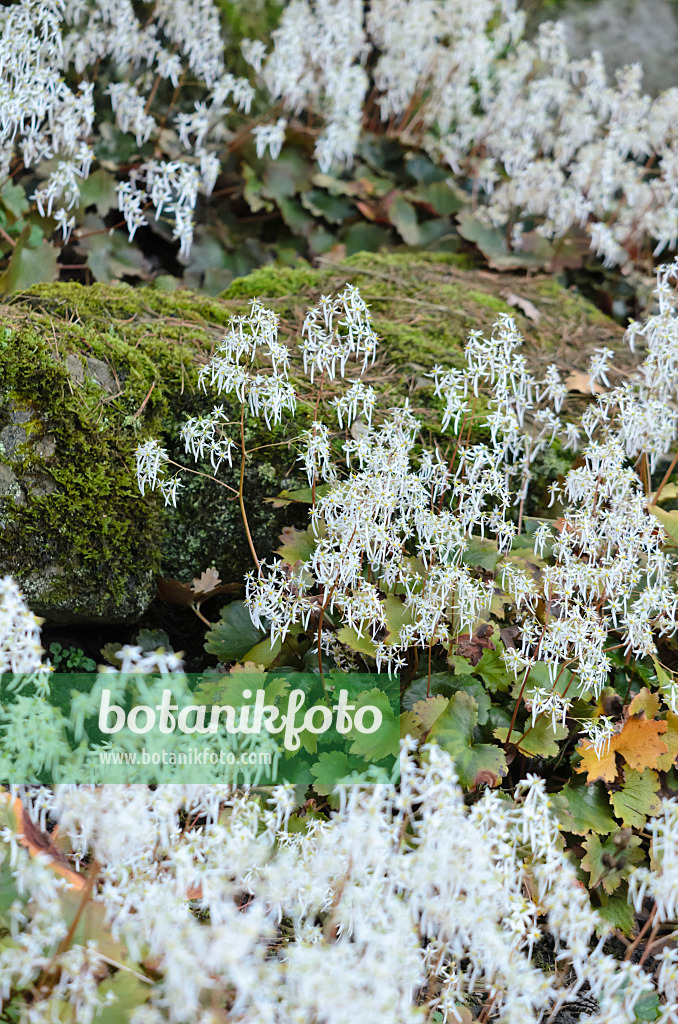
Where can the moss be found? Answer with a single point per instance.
(272, 282)
(490, 301)
(75, 530)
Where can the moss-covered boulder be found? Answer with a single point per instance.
(87, 373)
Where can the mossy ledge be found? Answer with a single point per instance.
(86, 373)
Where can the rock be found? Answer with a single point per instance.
(10, 486)
(74, 529)
(100, 372)
(97, 369)
(625, 32)
(75, 369)
(10, 438)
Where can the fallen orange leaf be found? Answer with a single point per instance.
(639, 743)
(37, 842)
(604, 767)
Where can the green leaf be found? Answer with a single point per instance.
(637, 800)
(28, 266)
(647, 1007)
(286, 176)
(615, 910)
(424, 170)
(428, 710)
(431, 231)
(582, 809)
(234, 635)
(669, 521)
(492, 243)
(9, 893)
(295, 216)
(110, 256)
(481, 552)
(334, 209)
(610, 861)
(540, 678)
(99, 190)
(493, 672)
(335, 186)
(331, 767)
(403, 216)
(263, 653)
(439, 196)
(302, 494)
(541, 741)
(453, 731)
(363, 237)
(361, 644)
(460, 666)
(444, 684)
(129, 992)
(91, 924)
(298, 545)
(254, 187)
(385, 742)
(396, 615)
(13, 199)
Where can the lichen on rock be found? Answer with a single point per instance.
(87, 373)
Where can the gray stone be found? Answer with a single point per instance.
(101, 373)
(11, 437)
(96, 369)
(625, 32)
(45, 447)
(75, 368)
(9, 485)
(39, 484)
(79, 604)
(19, 415)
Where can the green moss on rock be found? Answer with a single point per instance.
(87, 373)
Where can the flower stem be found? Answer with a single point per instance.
(241, 498)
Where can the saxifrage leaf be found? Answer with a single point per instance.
(453, 731)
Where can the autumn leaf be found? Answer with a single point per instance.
(604, 767)
(644, 702)
(667, 760)
(174, 591)
(207, 581)
(471, 647)
(528, 308)
(203, 587)
(639, 743)
(581, 382)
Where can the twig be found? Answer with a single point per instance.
(665, 478)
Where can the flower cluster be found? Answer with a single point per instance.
(251, 337)
(535, 133)
(20, 648)
(388, 572)
(49, 124)
(531, 133)
(402, 903)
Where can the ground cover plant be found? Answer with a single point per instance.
(443, 489)
(229, 149)
(89, 371)
(523, 862)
